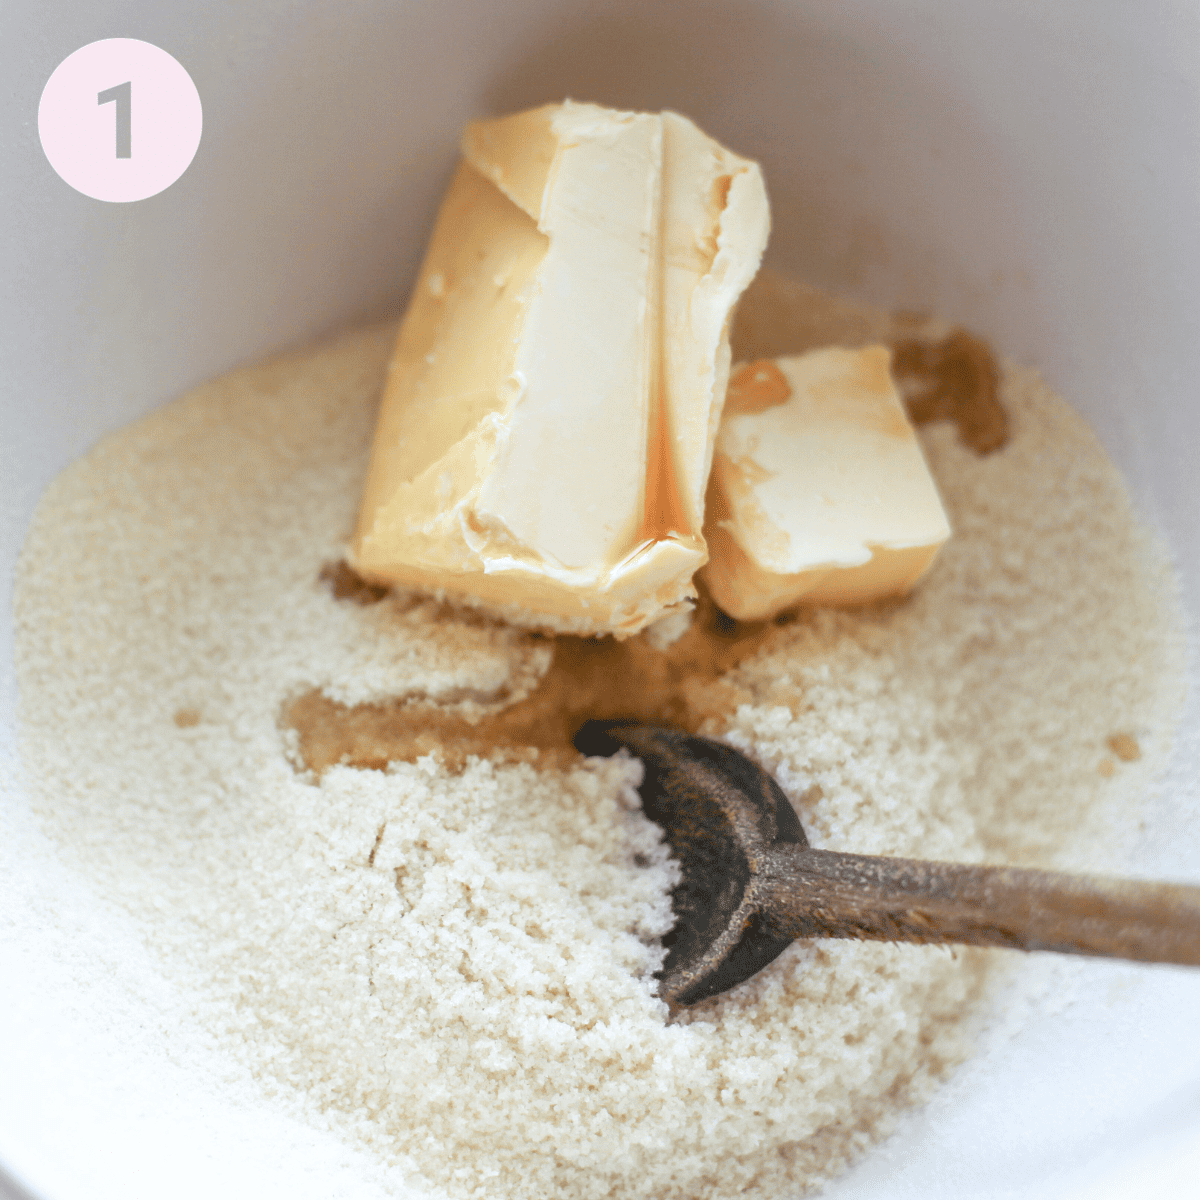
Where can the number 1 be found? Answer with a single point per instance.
(122, 95)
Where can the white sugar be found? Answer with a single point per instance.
(454, 972)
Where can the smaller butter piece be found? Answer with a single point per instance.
(819, 492)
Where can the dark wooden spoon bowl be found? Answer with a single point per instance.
(751, 884)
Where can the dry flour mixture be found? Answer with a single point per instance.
(454, 954)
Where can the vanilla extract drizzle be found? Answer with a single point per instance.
(686, 684)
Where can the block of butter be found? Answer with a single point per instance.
(547, 424)
(819, 490)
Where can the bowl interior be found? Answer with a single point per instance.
(1029, 171)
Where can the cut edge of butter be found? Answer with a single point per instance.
(820, 493)
(547, 424)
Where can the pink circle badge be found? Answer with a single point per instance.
(120, 120)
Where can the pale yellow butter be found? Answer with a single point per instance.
(547, 426)
(819, 490)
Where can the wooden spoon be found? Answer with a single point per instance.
(751, 883)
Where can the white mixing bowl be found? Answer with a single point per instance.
(1031, 170)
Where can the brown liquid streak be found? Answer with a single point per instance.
(683, 685)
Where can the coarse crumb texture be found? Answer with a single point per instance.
(458, 967)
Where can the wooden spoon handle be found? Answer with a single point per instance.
(823, 893)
